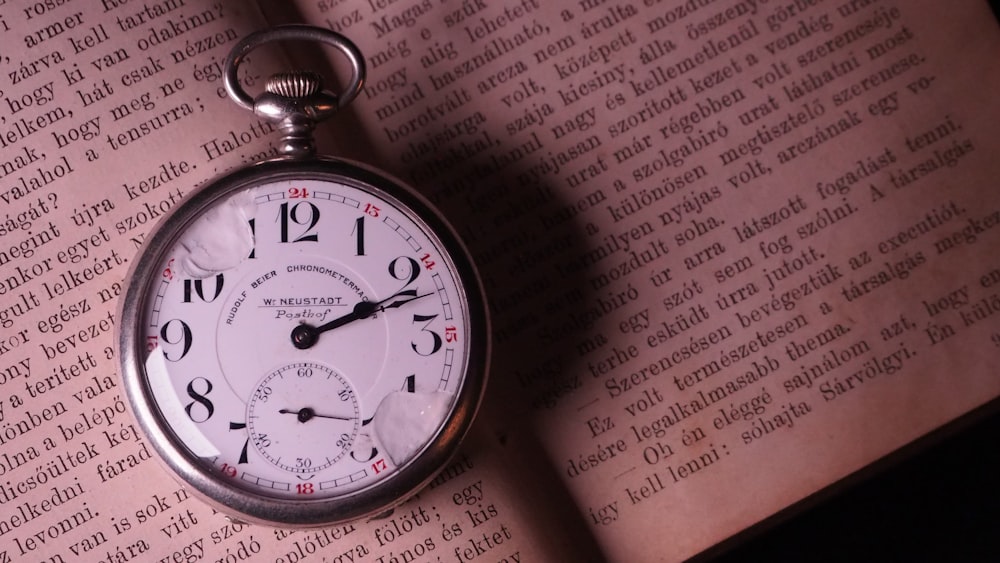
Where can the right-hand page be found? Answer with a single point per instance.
(736, 251)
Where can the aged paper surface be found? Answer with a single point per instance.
(735, 251)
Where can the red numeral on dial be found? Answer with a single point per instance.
(168, 272)
(304, 488)
(297, 192)
(379, 466)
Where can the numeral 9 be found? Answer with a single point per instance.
(172, 337)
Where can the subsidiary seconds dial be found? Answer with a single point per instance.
(303, 417)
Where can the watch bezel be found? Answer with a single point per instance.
(216, 489)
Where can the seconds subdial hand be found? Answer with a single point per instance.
(304, 336)
(306, 414)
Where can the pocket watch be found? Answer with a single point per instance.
(304, 341)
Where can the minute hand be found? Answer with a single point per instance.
(305, 336)
(411, 294)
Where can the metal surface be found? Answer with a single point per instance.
(293, 33)
(294, 100)
(298, 84)
(251, 506)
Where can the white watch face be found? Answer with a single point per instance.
(305, 339)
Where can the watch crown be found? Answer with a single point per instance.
(295, 84)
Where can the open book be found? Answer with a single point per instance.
(735, 252)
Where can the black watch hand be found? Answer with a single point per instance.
(306, 413)
(411, 293)
(304, 335)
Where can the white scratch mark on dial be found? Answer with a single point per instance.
(220, 239)
(404, 421)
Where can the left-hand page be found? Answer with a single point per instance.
(110, 112)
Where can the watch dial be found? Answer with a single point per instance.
(305, 339)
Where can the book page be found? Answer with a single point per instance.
(110, 113)
(735, 251)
